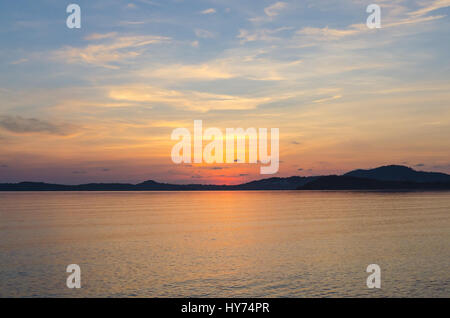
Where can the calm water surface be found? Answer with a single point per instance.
(225, 244)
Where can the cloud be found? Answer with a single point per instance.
(328, 33)
(19, 61)
(192, 100)
(79, 172)
(275, 9)
(131, 22)
(270, 12)
(208, 11)
(259, 35)
(203, 33)
(115, 49)
(442, 166)
(435, 5)
(420, 165)
(235, 64)
(20, 125)
(152, 3)
(100, 36)
(323, 100)
(199, 71)
(413, 20)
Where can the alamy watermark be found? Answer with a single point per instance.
(374, 279)
(74, 19)
(74, 279)
(373, 20)
(235, 140)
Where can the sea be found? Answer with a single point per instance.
(225, 243)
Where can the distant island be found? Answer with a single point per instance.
(392, 177)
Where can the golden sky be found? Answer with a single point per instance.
(98, 104)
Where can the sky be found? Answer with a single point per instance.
(99, 103)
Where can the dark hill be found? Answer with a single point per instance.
(399, 173)
(290, 183)
(354, 183)
(387, 177)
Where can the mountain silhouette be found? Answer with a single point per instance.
(355, 183)
(382, 178)
(290, 183)
(399, 173)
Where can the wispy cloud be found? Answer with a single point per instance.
(132, 22)
(332, 33)
(429, 7)
(21, 125)
(260, 34)
(79, 172)
(193, 100)
(190, 72)
(152, 3)
(208, 11)
(113, 49)
(275, 9)
(19, 61)
(270, 12)
(326, 33)
(100, 36)
(328, 99)
(204, 33)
